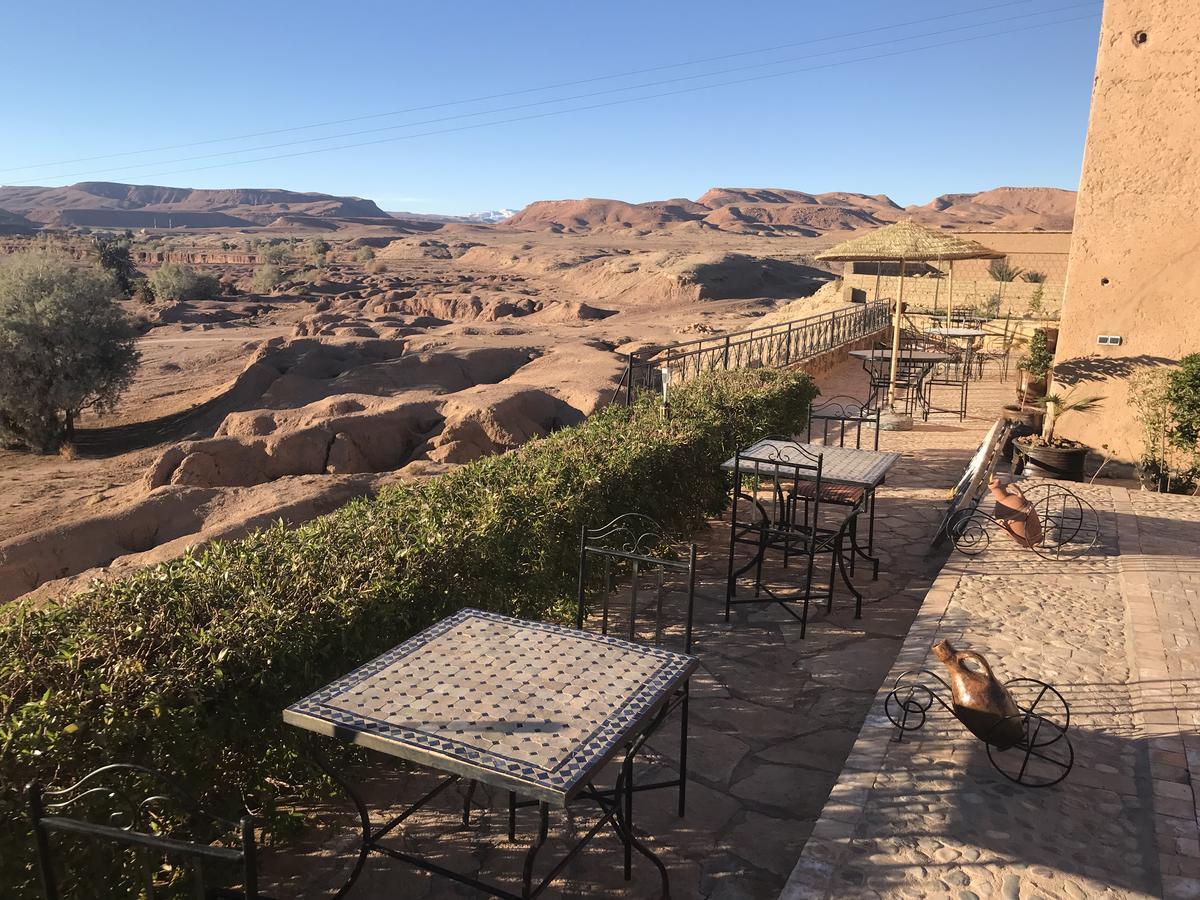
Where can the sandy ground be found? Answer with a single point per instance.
(446, 347)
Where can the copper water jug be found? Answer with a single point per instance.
(980, 701)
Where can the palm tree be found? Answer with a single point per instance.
(1002, 270)
(1058, 405)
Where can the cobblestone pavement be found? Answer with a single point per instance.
(1117, 633)
(773, 718)
(1160, 572)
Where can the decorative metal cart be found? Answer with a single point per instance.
(1069, 525)
(1030, 748)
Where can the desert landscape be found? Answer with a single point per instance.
(393, 345)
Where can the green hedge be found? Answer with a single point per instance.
(187, 665)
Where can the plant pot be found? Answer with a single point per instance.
(1031, 388)
(1063, 463)
(1027, 416)
(1015, 432)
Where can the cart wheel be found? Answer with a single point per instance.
(1043, 757)
(1036, 698)
(1070, 525)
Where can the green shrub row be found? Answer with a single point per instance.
(187, 665)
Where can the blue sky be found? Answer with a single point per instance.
(101, 79)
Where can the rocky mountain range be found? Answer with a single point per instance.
(761, 211)
(111, 205)
(784, 212)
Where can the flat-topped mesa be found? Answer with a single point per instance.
(89, 202)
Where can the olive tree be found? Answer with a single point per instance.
(65, 346)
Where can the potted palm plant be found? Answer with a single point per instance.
(1051, 456)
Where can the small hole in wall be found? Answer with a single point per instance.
(1104, 281)
(1140, 38)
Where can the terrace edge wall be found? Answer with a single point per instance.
(1134, 269)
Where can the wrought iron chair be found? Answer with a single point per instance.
(633, 543)
(770, 524)
(142, 809)
(842, 417)
(636, 545)
(910, 377)
(954, 373)
(1001, 356)
(773, 523)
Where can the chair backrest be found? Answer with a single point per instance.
(126, 814)
(839, 416)
(780, 463)
(635, 545)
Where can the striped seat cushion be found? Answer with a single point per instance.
(841, 494)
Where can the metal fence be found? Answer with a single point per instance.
(781, 344)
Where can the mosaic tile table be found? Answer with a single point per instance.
(849, 477)
(531, 708)
(839, 465)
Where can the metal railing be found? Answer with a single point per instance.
(778, 345)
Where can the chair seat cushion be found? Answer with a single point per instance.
(841, 494)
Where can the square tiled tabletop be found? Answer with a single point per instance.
(839, 465)
(519, 705)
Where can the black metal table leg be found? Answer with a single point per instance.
(364, 817)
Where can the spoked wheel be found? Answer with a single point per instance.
(1070, 525)
(1044, 755)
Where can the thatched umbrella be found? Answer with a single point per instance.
(902, 243)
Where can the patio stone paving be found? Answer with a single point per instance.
(773, 719)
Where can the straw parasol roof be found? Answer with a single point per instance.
(907, 241)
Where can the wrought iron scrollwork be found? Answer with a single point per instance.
(1070, 526)
(631, 533)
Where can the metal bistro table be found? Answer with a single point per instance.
(527, 707)
(840, 466)
(957, 332)
(916, 356)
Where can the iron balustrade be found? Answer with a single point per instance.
(778, 345)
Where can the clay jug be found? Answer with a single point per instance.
(1016, 514)
(980, 702)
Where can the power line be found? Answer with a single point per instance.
(623, 101)
(537, 103)
(498, 96)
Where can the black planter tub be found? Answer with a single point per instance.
(1064, 463)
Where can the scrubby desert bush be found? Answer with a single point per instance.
(178, 281)
(65, 346)
(318, 251)
(273, 254)
(266, 278)
(188, 665)
(364, 255)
